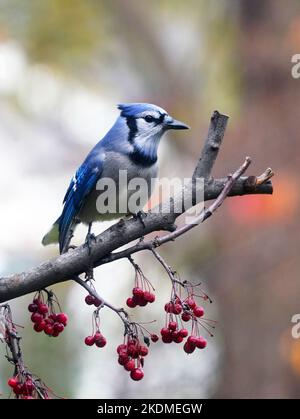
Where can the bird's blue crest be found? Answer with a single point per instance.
(132, 109)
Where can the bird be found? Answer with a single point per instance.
(130, 145)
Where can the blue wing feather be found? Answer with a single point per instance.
(80, 187)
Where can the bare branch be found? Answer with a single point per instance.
(212, 144)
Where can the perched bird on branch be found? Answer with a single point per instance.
(131, 146)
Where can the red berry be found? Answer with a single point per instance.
(198, 311)
(97, 336)
(149, 297)
(191, 302)
(32, 308)
(172, 325)
(167, 339)
(169, 307)
(123, 352)
(183, 333)
(89, 340)
(177, 338)
(62, 318)
(121, 348)
(185, 316)
(58, 327)
(37, 301)
(36, 317)
(49, 329)
(18, 389)
(192, 340)
(201, 342)
(140, 301)
(12, 382)
(42, 309)
(130, 302)
(123, 359)
(130, 365)
(143, 351)
(177, 309)
(165, 331)
(133, 351)
(39, 327)
(28, 387)
(89, 299)
(55, 333)
(138, 292)
(100, 343)
(188, 348)
(99, 339)
(137, 374)
(97, 302)
(154, 338)
(53, 317)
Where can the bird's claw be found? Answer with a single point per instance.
(140, 215)
(72, 247)
(90, 238)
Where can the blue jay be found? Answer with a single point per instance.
(130, 145)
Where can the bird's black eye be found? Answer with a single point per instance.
(149, 118)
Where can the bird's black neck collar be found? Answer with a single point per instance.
(141, 158)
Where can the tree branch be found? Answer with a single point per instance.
(209, 153)
(79, 260)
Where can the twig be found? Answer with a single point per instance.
(93, 292)
(209, 153)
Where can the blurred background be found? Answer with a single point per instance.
(64, 65)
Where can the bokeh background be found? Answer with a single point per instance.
(64, 65)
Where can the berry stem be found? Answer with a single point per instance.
(119, 311)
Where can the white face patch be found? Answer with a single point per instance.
(149, 125)
(147, 132)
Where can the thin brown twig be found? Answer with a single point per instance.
(93, 292)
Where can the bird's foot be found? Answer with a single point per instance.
(72, 247)
(89, 240)
(89, 275)
(140, 215)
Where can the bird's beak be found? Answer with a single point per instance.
(171, 123)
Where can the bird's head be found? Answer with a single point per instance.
(146, 124)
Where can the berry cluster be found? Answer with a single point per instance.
(186, 310)
(132, 352)
(96, 338)
(131, 357)
(172, 333)
(25, 386)
(44, 317)
(142, 292)
(140, 298)
(91, 300)
(23, 389)
(194, 342)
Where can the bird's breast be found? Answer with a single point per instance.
(124, 187)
